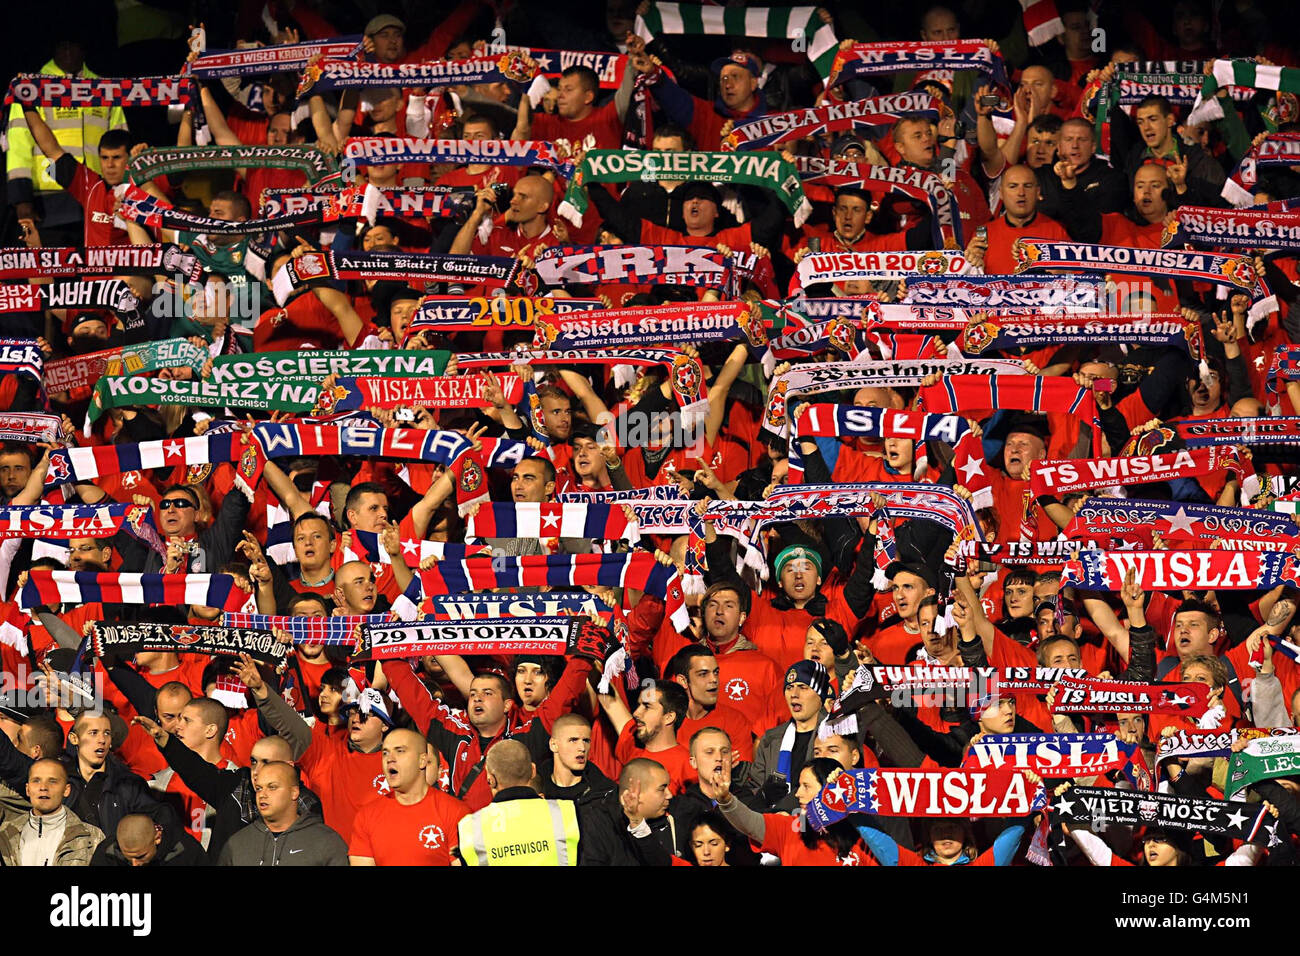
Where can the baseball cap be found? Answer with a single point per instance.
(811, 673)
(795, 551)
(371, 704)
(382, 22)
(739, 58)
(848, 141)
(922, 571)
(832, 631)
(700, 190)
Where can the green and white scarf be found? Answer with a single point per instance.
(1265, 758)
(263, 393)
(767, 170)
(1222, 73)
(169, 161)
(777, 23)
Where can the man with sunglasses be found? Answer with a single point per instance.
(204, 551)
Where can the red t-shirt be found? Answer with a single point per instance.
(736, 725)
(96, 198)
(344, 779)
(998, 259)
(602, 123)
(675, 759)
(421, 834)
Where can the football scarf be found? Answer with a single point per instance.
(87, 464)
(493, 605)
(824, 420)
(539, 635)
(1202, 432)
(80, 521)
(1000, 333)
(1202, 570)
(1243, 229)
(1247, 73)
(608, 67)
(988, 293)
(547, 520)
(187, 639)
(840, 337)
(928, 502)
(322, 75)
(458, 391)
(777, 23)
(21, 357)
(765, 170)
(109, 587)
(1195, 743)
(650, 325)
(1128, 518)
(1284, 367)
(339, 630)
(77, 92)
(1042, 22)
(637, 570)
(315, 366)
(925, 793)
(630, 496)
(866, 60)
(921, 185)
(635, 265)
(820, 267)
(802, 311)
(1064, 476)
(52, 262)
(1086, 806)
(818, 379)
(1092, 695)
(399, 266)
(874, 114)
(442, 313)
(1279, 150)
(1233, 272)
(388, 150)
(279, 58)
(30, 426)
(685, 374)
(81, 371)
(111, 294)
(1030, 393)
(284, 440)
(1054, 756)
(1178, 81)
(366, 547)
(173, 160)
(139, 207)
(404, 202)
(138, 390)
(1265, 758)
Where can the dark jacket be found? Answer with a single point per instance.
(216, 543)
(120, 792)
(593, 785)
(229, 791)
(1103, 187)
(177, 848)
(605, 841)
(309, 842)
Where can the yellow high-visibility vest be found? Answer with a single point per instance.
(521, 833)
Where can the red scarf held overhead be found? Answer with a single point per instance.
(1029, 393)
(1085, 474)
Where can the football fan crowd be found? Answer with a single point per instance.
(674, 434)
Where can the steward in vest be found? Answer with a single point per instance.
(518, 828)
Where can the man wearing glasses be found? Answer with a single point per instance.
(200, 551)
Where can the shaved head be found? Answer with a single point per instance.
(135, 832)
(511, 765)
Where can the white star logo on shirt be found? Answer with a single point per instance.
(1236, 818)
(972, 467)
(130, 479)
(850, 860)
(1180, 522)
(431, 837)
